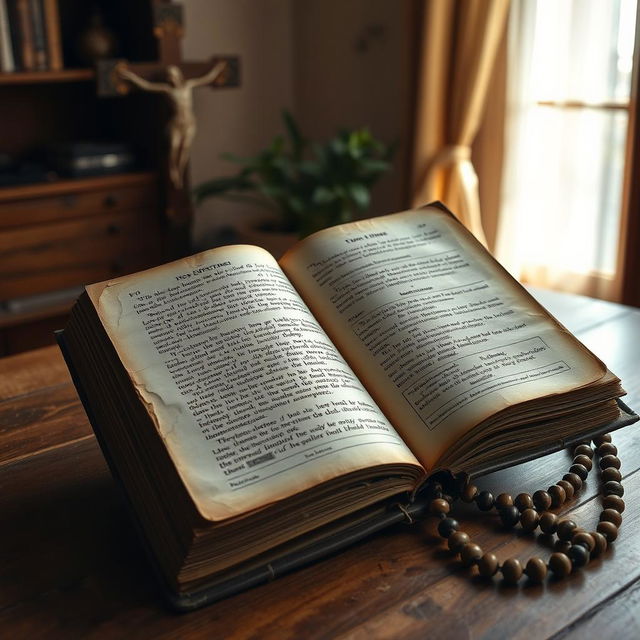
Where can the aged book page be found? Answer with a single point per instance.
(432, 325)
(251, 398)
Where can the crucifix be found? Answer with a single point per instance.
(181, 128)
(173, 80)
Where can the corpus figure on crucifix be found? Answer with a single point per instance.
(182, 125)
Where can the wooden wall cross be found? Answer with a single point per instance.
(175, 78)
(168, 29)
(109, 85)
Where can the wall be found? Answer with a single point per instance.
(332, 62)
(353, 68)
(237, 120)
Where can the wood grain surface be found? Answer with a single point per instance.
(72, 567)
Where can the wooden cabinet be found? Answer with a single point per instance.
(59, 234)
(93, 231)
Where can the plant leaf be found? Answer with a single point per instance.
(360, 195)
(322, 195)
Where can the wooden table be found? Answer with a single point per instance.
(71, 565)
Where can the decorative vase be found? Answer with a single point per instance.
(96, 41)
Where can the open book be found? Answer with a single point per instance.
(253, 409)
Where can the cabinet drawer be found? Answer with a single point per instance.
(66, 254)
(71, 203)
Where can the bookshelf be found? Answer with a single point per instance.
(58, 233)
(47, 77)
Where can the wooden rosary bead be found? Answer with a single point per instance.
(548, 522)
(611, 515)
(568, 488)
(607, 449)
(488, 565)
(608, 530)
(612, 487)
(579, 555)
(613, 502)
(566, 529)
(580, 470)
(469, 494)
(585, 539)
(611, 473)
(583, 450)
(574, 546)
(560, 564)
(585, 461)
(574, 480)
(609, 461)
(562, 546)
(511, 570)
(523, 501)
(447, 526)
(470, 554)
(439, 506)
(484, 500)
(510, 516)
(576, 531)
(600, 440)
(457, 540)
(558, 496)
(529, 520)
(503, 501)
(541, 500)
(536, 569)
(600, 543)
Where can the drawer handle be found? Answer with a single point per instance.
(113, 229)
(110, 201)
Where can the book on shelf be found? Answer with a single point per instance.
(24, 35)
(30, 37)
(53, 35)
(7, 63)
(261, 414)
(40, 57)
(14, 33)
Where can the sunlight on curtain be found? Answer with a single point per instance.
(568, 91)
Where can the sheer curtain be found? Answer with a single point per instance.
(567, 111)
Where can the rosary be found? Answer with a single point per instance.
(574, 547)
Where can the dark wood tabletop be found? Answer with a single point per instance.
(71, 566)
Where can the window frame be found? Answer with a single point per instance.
(629, 238)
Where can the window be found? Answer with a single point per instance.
(569, 81)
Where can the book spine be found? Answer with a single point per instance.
(14, 30)
(7, 63)
(25, 29)
(37, 28)
(53, 34)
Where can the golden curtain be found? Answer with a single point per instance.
(460, 39)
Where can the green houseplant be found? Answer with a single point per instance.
(307, 186)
